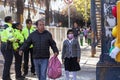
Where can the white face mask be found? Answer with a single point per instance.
(70, 36)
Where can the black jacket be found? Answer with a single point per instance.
(41, 44)
(76, 31)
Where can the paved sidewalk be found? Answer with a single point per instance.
(88, 66)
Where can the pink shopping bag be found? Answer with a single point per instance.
(54, 68)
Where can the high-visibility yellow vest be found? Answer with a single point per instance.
(19, 39)
(26, 32)
(8, 34)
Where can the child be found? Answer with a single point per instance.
(89, 38)
(71, 55)
(81, 37)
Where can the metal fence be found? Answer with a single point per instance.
(59, 34)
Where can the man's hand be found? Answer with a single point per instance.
(56, 54)
(63, 61)
(17, 40)
(20, 52)
(78, 60)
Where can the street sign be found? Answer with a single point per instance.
(68, 1)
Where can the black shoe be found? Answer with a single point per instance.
(25, 74)
(6, 79)
(21, 78)
(33, 74)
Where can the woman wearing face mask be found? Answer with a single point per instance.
(71, 55)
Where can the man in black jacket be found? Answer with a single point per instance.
(41, 40)
(76, 30)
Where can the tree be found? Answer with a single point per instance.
(47, 4)
(83, 7)
(20, 9)
(79, 10)
(47, 14)
(19, 5)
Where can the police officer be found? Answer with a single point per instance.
(26, 32)
(7, 38)
(19, 39)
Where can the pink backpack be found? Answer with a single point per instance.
(54, 68)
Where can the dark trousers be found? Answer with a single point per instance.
(7, 53)
(18, 63)
(81, 42)
(89, 41)
(26, 60)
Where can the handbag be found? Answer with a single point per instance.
(54, 68)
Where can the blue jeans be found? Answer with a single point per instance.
(41, 68)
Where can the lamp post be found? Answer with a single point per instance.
(29, 11)
(58, 14)
(53, 14)
(85, 13)
(68, 2)
(69, 15)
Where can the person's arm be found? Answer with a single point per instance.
(78, 31)
(63, 51)
(4, 35)
(25, 45)
(53, 45)
(78, 51)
